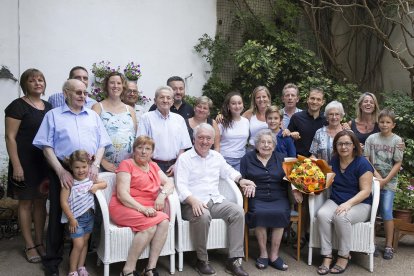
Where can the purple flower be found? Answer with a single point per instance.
(411, 188)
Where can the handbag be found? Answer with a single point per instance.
(18, 184)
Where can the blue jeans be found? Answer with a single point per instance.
(386, 204)
(234, 162)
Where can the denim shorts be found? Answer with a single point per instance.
(85, 224)
(386, 204)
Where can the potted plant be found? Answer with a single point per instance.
(101, 70)
(404, 197)
(132, 71)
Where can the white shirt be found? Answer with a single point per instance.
(255, 125)
(233, 140)
(200, 177)
(170, 134)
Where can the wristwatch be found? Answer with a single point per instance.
(238, 181)
(97, 165)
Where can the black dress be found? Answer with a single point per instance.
(191, 131)
(270, 207)
(31, 158)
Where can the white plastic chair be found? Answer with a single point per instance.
(217, 236)
(363, 233)
(115, 241)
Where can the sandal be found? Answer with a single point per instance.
(262, 263)
(388, 253)
(279, 264)
(339, 269)
(43, 253)
(32, 259)
(73, 273)
(82, 271)
(322, 269)
(152, 270)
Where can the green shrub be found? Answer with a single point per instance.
(403, 106)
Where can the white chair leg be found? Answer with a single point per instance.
(180, 261)
(310, 256)
(106, 270)
(371, 262)
(172, 263)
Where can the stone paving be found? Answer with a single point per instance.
(12, 261)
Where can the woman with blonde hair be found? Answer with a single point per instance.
(119, 120)
(260, 101)
(366, 121)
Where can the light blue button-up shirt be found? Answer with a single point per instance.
(58, 99)
(65, 132)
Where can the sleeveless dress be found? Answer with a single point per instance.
(255, 126)
(120, 128)
(363, 136)
(144, 188)
(34, 164)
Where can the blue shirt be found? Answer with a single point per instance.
(346, 184)
(65, 132)
(285, 145)
(58, 99)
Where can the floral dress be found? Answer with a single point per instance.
(121, 130)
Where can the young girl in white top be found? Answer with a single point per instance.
(77, 205)
(234, 130)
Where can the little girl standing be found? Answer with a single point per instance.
(78, 205)
(234, 130)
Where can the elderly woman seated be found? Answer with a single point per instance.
(141, 190)
(349, 203)
(270, 207)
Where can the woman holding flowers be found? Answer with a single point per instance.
(349, 203)
(270, 207)
(119, 120)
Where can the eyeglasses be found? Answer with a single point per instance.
(132, 91)
(79, 92)
(346, 144)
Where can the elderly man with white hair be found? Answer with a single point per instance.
(197, 178)
(168, 130)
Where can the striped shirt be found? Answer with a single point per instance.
(80, 199)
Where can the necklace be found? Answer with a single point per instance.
(32, 103)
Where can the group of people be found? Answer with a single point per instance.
(58, 147)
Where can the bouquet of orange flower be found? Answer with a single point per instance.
(308, 175)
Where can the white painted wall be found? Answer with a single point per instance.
(57, 35)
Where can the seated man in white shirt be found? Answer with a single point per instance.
(197, 178)
(168, 130)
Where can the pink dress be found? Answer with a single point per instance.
(144, 188)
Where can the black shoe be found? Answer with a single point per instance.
(234, 267)
(204, 268)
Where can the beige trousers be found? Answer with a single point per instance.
(230, 212)
(341, 224)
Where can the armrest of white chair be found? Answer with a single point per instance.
(230, 191)
(172, 205)
(376, 190)
(104, 208)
